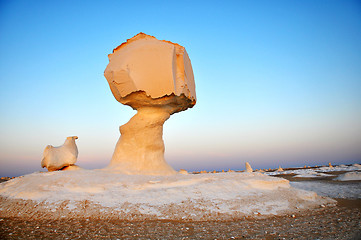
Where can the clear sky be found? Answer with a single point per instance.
(278, 82)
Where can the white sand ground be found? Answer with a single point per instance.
(321, 172)
(346, 185)
(192, 197)
(333, 190)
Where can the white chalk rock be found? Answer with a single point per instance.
(356, 165)
(56, 158)
(183, 171)
(144, 63)
(350, 176)
(155, 78)
(248, 167)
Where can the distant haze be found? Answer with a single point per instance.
(277, 82)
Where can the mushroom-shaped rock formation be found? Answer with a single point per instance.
(56, 158)
(155, 78)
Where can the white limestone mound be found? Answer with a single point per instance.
(155, 78)
(350, 176)
(56, 158)
(357, 166)
(105, 194)
(248, 167)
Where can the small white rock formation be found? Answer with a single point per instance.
(248, 167)
(155, 78)
(349, 176)
(183, 171)
(330, 165)
(56, 158)
(279, 169)
(356, 165)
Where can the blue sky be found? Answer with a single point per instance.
(278, 82)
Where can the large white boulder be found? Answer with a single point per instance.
(144, 63)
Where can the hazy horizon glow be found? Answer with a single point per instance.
(278, 83)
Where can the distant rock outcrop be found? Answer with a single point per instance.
(184, 172)
(248, 167)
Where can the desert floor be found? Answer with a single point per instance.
(338, 222)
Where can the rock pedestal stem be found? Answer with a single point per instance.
(140, 148)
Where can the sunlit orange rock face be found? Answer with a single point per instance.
(160, 69)
(156, 78)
